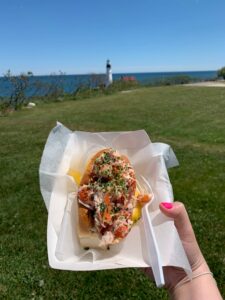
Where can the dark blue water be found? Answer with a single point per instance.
(38, 85)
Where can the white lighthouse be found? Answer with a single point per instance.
(109, 78)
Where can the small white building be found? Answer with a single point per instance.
(109, 78)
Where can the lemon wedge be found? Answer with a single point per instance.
(136, 214)
(76, 175)
(136, 193)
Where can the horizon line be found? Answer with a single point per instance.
(102, 73)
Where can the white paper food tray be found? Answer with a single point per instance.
(66, 150)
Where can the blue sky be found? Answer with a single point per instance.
(77, 37)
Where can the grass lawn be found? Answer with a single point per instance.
(190, 119)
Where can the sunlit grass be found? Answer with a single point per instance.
(190, 119)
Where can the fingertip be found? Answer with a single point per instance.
(166, 205)
(170, 208)
(178, 213)
(172, 205)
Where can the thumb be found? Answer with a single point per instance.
(177, 211)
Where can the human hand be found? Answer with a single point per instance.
(174, 275)
(202, 287)
(178, 213)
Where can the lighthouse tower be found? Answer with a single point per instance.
(109, 78)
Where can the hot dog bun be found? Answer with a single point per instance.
(88, 238)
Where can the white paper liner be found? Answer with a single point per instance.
(66, 150)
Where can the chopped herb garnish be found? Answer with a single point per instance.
(116, 209)
(102, 207)
(106, 157)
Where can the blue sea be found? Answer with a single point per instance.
(69, 83)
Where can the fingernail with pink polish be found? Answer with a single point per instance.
(167, 205)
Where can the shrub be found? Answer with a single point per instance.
(125, 83)
(179, 79)
(52, 89)
(86, 90)
(221, 73)
(18, 85)
(96, 80)
(5, 108)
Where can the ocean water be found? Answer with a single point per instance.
(69, 83)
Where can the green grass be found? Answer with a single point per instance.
(190, 119)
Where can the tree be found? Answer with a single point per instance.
(221, 72)
(18, 86)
